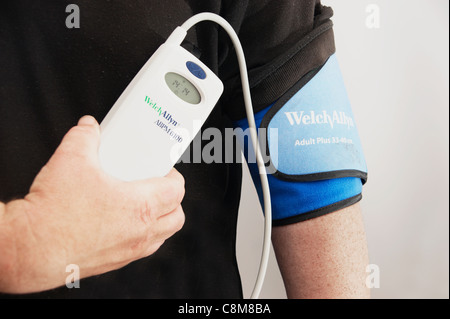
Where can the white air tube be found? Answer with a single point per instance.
(178, 36)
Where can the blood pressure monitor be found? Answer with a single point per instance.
(157, 116)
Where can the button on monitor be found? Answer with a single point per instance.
(196, 70)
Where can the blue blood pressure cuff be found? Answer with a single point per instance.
(315, 160)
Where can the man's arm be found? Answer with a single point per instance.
(324, 257)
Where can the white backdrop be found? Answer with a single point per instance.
(397, 73)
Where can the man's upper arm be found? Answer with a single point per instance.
(324, 257)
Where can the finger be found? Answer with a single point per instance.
(177, 179)
(171, 223)
(161, 195)
(174, 174)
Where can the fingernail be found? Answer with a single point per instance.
(87, 120)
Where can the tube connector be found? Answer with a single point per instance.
(177, 36)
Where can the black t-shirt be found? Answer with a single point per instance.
(51, 75)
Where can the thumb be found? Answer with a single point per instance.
(82, 140)
(88, 120)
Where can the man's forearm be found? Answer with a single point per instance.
(325, 257)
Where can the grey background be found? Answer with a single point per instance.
(397, 77)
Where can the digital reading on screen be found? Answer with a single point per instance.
(183, 88)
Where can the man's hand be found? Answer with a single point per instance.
(77, 214)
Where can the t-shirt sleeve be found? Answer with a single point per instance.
(283, 40)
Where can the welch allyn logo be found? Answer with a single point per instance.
(313, 118)
(158, 109)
